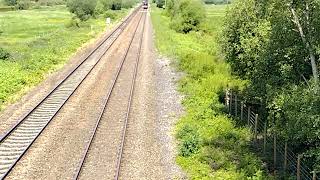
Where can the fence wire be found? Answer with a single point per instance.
(284, 160)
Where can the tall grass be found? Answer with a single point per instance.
(210, 144)
(39, 41)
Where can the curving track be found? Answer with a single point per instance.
(15, 143)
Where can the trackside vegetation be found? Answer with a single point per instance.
(38, 41)
(211, 146)
(275, 46)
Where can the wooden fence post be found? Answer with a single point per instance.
(274, 153)
(299, 167)
(230, 111)
(241, 114)
(236, 105)
(256, 128)
(285, 166)
(264, 138)
(249, 113)
(314, 176)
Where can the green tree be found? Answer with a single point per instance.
(187, 15)
(83, 9)
(275, 45)
(10, 2)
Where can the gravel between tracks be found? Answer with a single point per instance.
(149, 151)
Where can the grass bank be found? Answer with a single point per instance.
(40, 41)
(210, 144)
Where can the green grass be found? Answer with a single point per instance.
(211, 146)
(39, 42)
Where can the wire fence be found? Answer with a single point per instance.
(283, 161)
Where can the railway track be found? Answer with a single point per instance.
(106, 103)
(15, 143)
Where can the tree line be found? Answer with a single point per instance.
(274, 45)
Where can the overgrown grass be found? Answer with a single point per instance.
(39, 41)
(210, 144)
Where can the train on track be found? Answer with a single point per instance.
(145, 4)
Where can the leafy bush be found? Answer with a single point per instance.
(83, 9)
(10, 2)
(160, 3)
(188, 16)
(217, 1)
(190, 141)
(23, 4)
(51, 2)
(74, 22)
(4, 54)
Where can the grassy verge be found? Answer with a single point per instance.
(40, 41)
(210, 144)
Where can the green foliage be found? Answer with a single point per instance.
(190, 141)
(186, 15)
(83, 9)
(262, 43)
(51, 2)
(4, 55)
(23, 4)
(160, 3)
(210, 145)
(217, 1)
(10, 2)
(117, 5)
(39, 43)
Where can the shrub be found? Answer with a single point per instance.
(23, 4)
(83, 9)
(10, 2)
(188, 16)
(74, 22)
(190, 141)
(4, 55)
(51, 2)
(111, 4)
(160, 3)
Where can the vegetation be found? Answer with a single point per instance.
(217, 1)
(275, 46)
(186, 15)
(39, 41)
(83, 9)
(210, 144)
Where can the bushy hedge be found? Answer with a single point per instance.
(83, 9)
(10, 2)
(4, 54)
(23, 4)
(186, 15)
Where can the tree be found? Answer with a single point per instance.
(83, 9)
(275, 46)
(187, 15)
(10, 2)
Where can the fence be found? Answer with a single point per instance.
(284, 162)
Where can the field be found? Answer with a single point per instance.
(40, 41)
(211, 146)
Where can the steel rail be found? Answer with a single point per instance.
(124, 131)
(16, 157)
(105, 103)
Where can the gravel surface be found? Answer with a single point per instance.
(57, 152)
(149, 147)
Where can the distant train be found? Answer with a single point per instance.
(145, 4)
